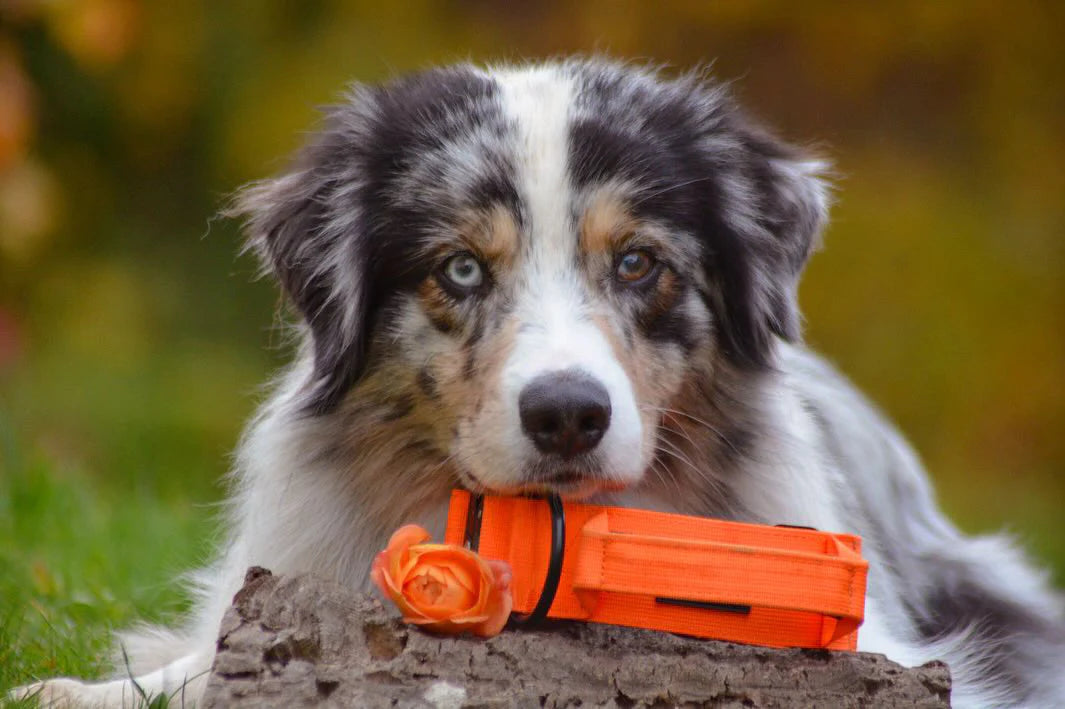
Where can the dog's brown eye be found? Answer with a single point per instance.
(635, 265)
(463, 271)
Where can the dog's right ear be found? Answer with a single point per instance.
(314, 255)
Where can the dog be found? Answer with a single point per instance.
(576, 276)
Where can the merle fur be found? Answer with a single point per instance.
(675, 153)
(366, 146)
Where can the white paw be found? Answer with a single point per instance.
(61, 693)
(49, 693)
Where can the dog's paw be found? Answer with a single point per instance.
(60, 693)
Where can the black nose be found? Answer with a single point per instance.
(564, 413)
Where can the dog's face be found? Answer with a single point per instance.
(525, 269)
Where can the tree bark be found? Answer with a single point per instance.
(304, 641)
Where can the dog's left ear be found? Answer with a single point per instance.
(312, 251)
(777, 209)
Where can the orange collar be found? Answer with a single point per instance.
(748, 583)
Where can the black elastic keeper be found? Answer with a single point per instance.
(554, 567)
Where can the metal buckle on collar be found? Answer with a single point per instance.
(472, 541)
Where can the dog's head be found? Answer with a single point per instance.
(527, 266)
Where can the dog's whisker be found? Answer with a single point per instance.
(645, 196)
(665, 476)
(680, 456)
(695, 419)
(675, 452)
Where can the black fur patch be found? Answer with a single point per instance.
(443, 323)
(671, 326)
(427, 383)
(401, 407)
(663, 317)
(1008, 633)
(735, 420)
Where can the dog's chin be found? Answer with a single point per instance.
(570, 486)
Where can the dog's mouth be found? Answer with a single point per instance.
(566, 478)
(569, 483)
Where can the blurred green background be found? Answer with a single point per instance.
(134, 340)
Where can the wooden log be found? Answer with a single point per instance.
(304, 641)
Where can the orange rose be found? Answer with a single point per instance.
(443, 587)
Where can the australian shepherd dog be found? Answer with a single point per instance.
(579, 277)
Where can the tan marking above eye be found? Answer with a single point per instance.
(492, 234)
(605, 223)
(502, 234)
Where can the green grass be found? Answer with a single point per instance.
(78, 561)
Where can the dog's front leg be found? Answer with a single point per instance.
(182, 681)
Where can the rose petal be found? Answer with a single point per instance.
(408, 610)
(422, 591)
(399, 545)
(466, 570)
(412, 615)
(436, 594)
(459, 596)
(501, 602)
(502, 574)
(449, 626)
(408, 535)
(378, 573)
(499, 605)
(488, 581)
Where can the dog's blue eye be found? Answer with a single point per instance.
(464, 271)
(634, 265)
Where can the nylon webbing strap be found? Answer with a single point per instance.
(749, 583)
